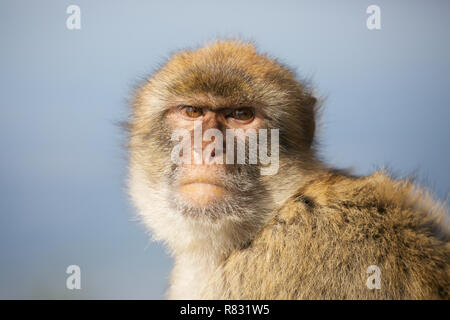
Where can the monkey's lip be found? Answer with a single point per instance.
(200, 192)
(201, 181)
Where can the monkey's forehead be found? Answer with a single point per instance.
(229, 69)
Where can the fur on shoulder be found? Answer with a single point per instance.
(332, 230)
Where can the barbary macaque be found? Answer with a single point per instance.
(223, 169)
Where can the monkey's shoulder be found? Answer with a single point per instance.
(321, 242)
(366, 207)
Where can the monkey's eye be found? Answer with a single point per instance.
(192, 112)
(243, 114)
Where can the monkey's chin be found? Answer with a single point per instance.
(201, 194)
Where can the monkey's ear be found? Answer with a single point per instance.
(310, 101)
(310, 120)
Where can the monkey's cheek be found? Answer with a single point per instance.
(201, 194)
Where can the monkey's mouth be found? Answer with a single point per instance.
(201, 192)
(201, 182)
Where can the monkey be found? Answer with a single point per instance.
(307, 231)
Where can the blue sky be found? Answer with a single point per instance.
(63, 162)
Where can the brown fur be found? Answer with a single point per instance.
(324, 228)
(319, 244)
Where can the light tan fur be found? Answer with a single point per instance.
(309, 232)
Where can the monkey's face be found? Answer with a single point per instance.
(213, 98)
(205, 179)
(202, 171)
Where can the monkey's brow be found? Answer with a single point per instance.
(227, 108)
(221, 109)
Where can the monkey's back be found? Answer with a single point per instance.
(321, 242)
